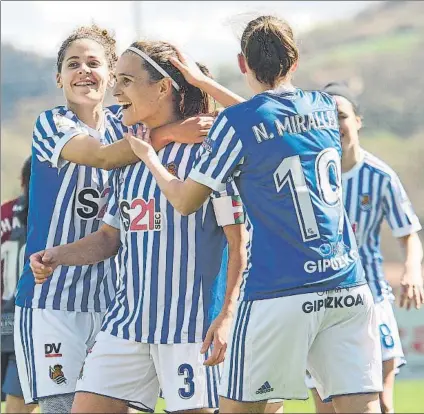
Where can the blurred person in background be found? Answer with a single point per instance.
(74, 147)
(372, 192)
(13, 239)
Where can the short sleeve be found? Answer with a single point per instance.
(228, 206)
(111, 216)
(398, 209)
(52, 130)
(219, 156)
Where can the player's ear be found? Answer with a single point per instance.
(59, 83)
(358, 122)
(111, 81)
(294, 67)
(241, 63)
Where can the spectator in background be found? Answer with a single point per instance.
(14, 215)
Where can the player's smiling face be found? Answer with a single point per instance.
(349, 122)
(85, 74)
(134, 90)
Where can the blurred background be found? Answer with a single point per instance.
(377, 47)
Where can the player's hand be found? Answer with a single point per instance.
(412, 291)
(217, 336)
(141, 144)
(43, 264)
(188, 67)
(193, 130)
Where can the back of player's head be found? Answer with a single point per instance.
(93, 32)
(26, 173)
(188, 99)
(268, 45)
(341, 89)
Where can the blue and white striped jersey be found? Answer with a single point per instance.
(67, 202)
(168, 262)
(282, 148)
(372, 192)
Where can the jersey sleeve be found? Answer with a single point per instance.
(398, 209)
(111, 216)
(228, 206)
(52, 131)
(219, 156)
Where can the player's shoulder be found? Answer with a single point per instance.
(59, 116)
(378, 166)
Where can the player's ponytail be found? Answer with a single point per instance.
(188, 100)
(269, 48)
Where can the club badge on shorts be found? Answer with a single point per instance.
(57, 375)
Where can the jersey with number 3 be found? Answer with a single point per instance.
(67, 202)
(283, 150)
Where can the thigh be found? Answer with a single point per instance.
(186, 383)
(345, 357)
(266, 334)
(50, 348)
(120, 369)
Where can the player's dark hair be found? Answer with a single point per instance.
(189, 100)
(93, 32)
(25, 177)
(268, 45)
(341, 89)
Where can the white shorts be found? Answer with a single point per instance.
(50, 347)
(274, 341)
(134, 372)
(391, 346)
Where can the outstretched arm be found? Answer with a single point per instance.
(94, 248)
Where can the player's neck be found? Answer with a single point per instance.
(350, 157)
(92, 116)
(166, 115)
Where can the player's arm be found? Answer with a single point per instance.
(87, 150)
(94, 248)
(222, 155)
(412, 279)
(404, 224)
(197, 78)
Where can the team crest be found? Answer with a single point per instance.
(57, 375)
(172, 168)
(365, 202)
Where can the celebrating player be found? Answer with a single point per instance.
(305, 302)
(14, 226)
(372, 192)
(153, 331)
(73, 146)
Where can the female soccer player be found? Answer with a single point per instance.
(73, 146)
(305, 302)
(153, 332)
(372, 192)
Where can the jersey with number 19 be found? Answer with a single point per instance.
(67, 202)
(283, 150)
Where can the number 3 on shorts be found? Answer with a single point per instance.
(187, 371)
(386, 336)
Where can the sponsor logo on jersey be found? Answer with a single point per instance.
(56, 374)
(365, 202)
(172, 168)
(335, 263)
(333, 302)
(52, 350)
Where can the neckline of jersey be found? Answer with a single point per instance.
(349, 174)
(96, 133)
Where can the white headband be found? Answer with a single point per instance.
(154, 64)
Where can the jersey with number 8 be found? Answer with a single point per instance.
(283, 150)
